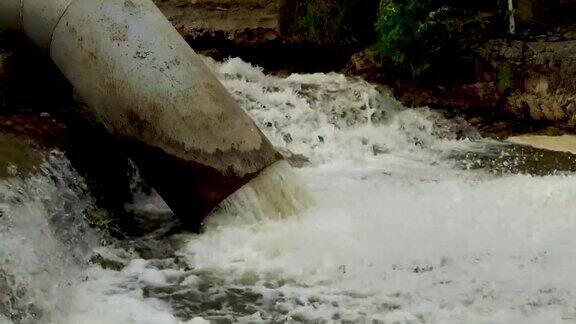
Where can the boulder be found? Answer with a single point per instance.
(547, 92)
(247, 22)
(289, 35)
(545, 13)
(38, 115)
(24, 142)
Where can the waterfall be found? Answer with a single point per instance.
(391, 227)
(277, 193)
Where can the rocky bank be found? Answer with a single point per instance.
(520, 83)
(262, 32)
(242, 23)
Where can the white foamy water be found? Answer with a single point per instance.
(277, 193)
(330, 118)
(45, 245)
(397, 233)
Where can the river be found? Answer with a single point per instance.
(406, 227)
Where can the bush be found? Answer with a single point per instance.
(419, 37)
(329, 21)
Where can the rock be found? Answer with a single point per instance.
(548, 90)
(111, 259)
(37, 110)
(544, 13)
(568, 32)
(26, 138)
(530, 83)
(295, 160)
(363, 63)
(518, 159)
(464, 98)
(554, 63)
(478, 95)
(248, 22)
(525, 13)
(275, 34)
(23, 145)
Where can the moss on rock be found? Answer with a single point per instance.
(17, 156)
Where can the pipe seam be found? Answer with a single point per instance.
(40, 18)
(58, 23)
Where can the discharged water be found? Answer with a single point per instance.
(409, 218)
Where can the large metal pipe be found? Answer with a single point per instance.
(191, 140)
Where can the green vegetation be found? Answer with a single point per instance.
(416, 37)
(319, 20)
(17, 156)
(409, 33)
(431, 41)
(329, 21)
(505, 78)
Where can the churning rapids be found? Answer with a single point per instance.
(407, 227)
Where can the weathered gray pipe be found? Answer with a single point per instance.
(192, 142)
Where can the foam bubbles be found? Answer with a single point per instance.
(329, 117)
(276, 193)
(396, 234)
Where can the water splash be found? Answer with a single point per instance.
(396, 234)
(44, 240)
(47, 243)
(331, 117)
(277, 193)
